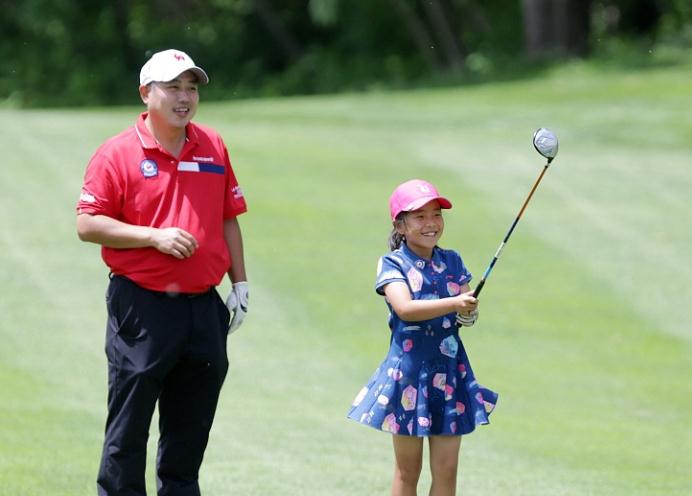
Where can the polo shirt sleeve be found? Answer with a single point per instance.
(235, 201)
(388, 270)
(100, 194)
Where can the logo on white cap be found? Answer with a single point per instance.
(167, 65)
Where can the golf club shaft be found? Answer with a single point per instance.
(478, 289)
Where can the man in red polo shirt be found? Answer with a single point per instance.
(162, 200)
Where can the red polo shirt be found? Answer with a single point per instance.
(131, 178)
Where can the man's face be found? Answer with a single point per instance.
(172, 103)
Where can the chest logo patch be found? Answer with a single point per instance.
(149, 168)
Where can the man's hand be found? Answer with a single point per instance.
(174, 241)
(237, 304)
(467, 319)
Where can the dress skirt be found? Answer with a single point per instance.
(425, 386)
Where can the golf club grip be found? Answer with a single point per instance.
(477, 291)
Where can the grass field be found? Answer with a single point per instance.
(585, 328)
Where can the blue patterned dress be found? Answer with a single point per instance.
(425, 386)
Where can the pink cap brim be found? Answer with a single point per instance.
(419, 202)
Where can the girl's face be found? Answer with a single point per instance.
(423, 228)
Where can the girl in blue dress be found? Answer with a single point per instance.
(425, 386)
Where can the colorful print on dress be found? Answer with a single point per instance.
(462, 370)
(361, 396)
(453, 289)
(415, 280)
(425, 386)
(440, 381)
(408, 398)
(395, 374)
(439, 268)
(390, 425)
(449, 347)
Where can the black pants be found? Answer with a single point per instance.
(170, 349)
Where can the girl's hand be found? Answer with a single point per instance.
(465, 303)
(399, 297)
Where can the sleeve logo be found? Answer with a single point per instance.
(87, 197)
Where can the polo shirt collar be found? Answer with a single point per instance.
(419, 261)
(148, 141)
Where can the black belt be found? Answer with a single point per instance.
(167, 294)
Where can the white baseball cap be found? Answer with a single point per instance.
(167, 65)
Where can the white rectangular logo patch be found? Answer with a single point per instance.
(188, 166)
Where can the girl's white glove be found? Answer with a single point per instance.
(237, 305)
(467, 320)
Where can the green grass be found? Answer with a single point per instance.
(586, 322)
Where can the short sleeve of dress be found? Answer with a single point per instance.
(388, 270)
(463, 273)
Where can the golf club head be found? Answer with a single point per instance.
(545, 143)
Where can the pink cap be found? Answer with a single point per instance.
(412, 195)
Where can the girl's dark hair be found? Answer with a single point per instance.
(396, 238)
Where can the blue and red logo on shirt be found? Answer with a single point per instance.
(149, 168)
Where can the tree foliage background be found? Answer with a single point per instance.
(70, 52)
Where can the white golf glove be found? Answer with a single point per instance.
(237, 305)
(467, 320)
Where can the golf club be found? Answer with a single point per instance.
(545, 143)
